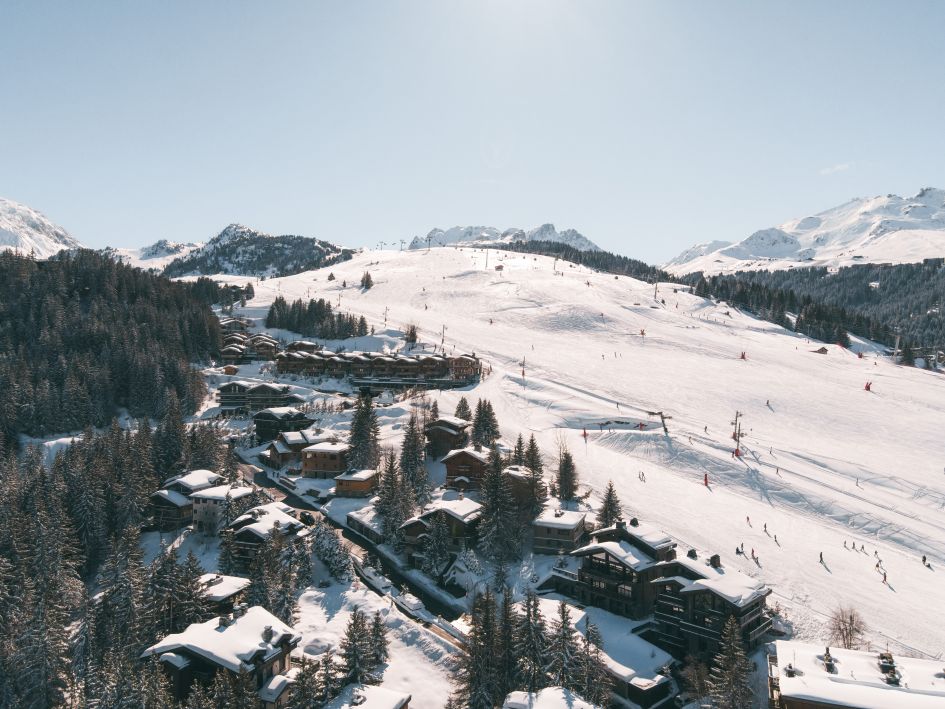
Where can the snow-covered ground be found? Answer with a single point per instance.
(825, 461)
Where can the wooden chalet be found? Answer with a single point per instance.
(210, 505)
(235, 354)
(249, 640)
(446, 433)
(286, 448)
(465, 467)
(303, 346)
(559, 531)
(461, 515)
(366, 522)
(222, 593)
(232, 324)
(325, 459)
(255, 526)
(271, 422)
(171, 507)
(356, 483)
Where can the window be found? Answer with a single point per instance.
(599, 585)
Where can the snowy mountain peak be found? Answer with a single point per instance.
(483, 236)
(162, 248)
(25, 230)
(882, 229)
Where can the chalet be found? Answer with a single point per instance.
(694, 599)
(367, 696)
(287, 447)
(356, 483)
(617, 566)
(222, 593)
(558, 531)
(271, 422)
(520, 482)
(170, 510)
(264, 347)
(235, 324)
(257, 525)
(465, 467)
(234, 394)
(235, 354)
(804, 676)
(367, 523)
(303, 346)
(231, 369)
(171, 507)
(446, 433)
(249, 640)
(461, 515)
(463, 367)
(265, 395)
(324, 460)
(210, 505)
(547, 698)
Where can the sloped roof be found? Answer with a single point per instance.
(624, 552)
(481, 455)
(219, 587)
(175, 498)
(195, 479)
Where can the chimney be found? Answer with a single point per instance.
(715, 561)
(461, 496)
(620, 524)
(558, 513)
(478, 447)
(634, 522)
(224, 621)
(267, 633)
(692, 554)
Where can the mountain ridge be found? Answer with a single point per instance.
(484, 235)
(27, 230)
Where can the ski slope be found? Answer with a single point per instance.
(824, 460)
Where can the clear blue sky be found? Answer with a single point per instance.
(646, 126)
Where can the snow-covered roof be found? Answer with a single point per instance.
(462, 508)
(359, 475)
(260, 520)
(482, 455)
(367, 516)
(280, 411)
(275, 686)
(560, 519)
(646, 533)
(219, 587)
(232, 645)
(195, 479)
(547, 698)
(624, 552)
(369, 697)
(326, 447)
(175, 498)
(517, 471)
(858, 681)
(454, 421)
(732, 585)
(220, 492)
(281, 448)
(297, 438)
(179, 661)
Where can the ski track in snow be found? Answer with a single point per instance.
(824, 463)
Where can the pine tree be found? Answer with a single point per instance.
(227, 558)
(412, 469)
(593, 678)
(610, 507)
(518, 453)
(434, 411)
(356, 652)
(507, 678)
(462, 410)
(188, 590)
(379, 645)
(366, 281)
(531, 648)
(730, 677)
(364, 439)
(498, 524)
(563, 665)
(537, 492)
(436, 551)
(305, 692)
(567, 476)
(476, 685)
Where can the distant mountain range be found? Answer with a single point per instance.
(241, 251)
(884, 229)
(486, 235)
(25, 230)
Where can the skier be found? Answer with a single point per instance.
(884, 577)
(776, 540)
(748, 520)
(705, 479)
(923, 560)
(845, 544)
(767, 402)
(821, 557)
(705, 429)
(766, 527)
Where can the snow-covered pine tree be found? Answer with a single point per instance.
(436, 547)
(226, 560)
(364, 450)
(595, 683)
(330, 676)
(518, 453)
(366, 281)
(567, 480)
(188, 592)
(230, 469)
(379, 645)
(531, 645)
(498, 524)
(462, 410)
(610, 507)
(507, 677)
(413, 472)
(434, 411)
(730, 677)
(307, 688)
(302, 564)
(537, 491)
(356, 652)
(563, 651)
(476, 685)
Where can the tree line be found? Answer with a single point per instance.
(82, 336)
(598, 260)
(316, 318)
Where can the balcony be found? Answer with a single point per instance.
(565, 574)
(762, 628)
(604, 573)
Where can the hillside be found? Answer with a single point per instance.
(481, 235)
(826, 462)
(26, 231)
(882, 229)
(244, 251)
(156, 256)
